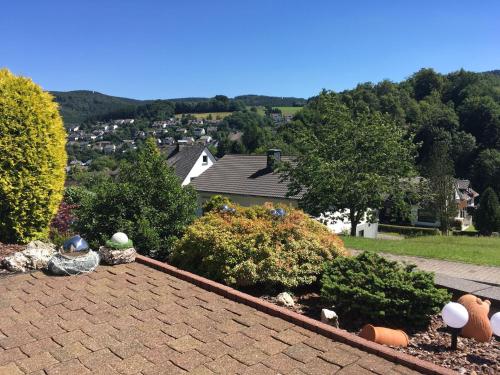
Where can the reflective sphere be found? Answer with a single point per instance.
(120, 237)
(75, 245)
(495, 323)
(455, 315)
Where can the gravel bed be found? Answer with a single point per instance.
(433, 345)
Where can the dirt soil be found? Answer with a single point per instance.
(433, 345)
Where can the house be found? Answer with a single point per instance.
(205, 139)
(251, 180)
(189, 161)
(109, 149)
(198, 132)
(464, 198)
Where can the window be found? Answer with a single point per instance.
(205, 159)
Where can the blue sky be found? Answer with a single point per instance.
(165, 49)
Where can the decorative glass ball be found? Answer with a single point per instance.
(495, 323)
(75, 246)
(120, 237)
(455, 315)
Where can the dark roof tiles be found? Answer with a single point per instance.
(243, 175)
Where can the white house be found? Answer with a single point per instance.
(189, 161)
(251, 180)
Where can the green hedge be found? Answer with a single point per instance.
(474, 233)
(409, 231)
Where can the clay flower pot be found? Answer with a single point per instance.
(384, 336)
(478, 327)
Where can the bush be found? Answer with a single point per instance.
(254, 246)
(487, 216)
(380, 291)
(32, 159)
(146, 201)
(216, 202)
(409, 231)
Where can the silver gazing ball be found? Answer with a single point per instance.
(75, 246)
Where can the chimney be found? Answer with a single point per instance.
(273, 158)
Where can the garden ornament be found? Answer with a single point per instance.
(119, 249)
(478, 327)
(75, 246)
(384, 336)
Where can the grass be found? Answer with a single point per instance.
(286, 111)
(215, 115)
(476, 250)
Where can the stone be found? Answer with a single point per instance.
(330, 317)
(120, 237)
(62, 265)
(36, 256)
(117, 256)
(285, 299)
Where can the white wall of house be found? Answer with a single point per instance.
(200, 166)
(341, 225)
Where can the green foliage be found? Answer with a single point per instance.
(215, 203)
(251, 247)
(487, 216)
(146, 201)
(408, 231)
(119, 246)
(32, 159)
(380, 291)
(74, 195)
(351, 161)
(486, 170)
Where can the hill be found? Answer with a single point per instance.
(83, 105)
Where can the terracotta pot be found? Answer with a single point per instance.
(478, 327)
(385, 336)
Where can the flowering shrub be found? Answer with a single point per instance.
(251, 246)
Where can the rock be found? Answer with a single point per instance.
(63, 265)
(120, 238)
(117, 256)
(330, 317)
(285, 299)
(36, 256)
(16, 262)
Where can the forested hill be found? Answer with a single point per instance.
(82, 105)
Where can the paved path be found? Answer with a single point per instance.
(132, 319)
(483, 274)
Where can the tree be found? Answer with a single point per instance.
(349, 162)
(486, 170)
(32, 159)
(439, 170)
(487, 216)
(146, 201)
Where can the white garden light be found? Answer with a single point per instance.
(495, 323)
(455, 316)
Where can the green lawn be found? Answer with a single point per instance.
(478, 250)
(285, 110)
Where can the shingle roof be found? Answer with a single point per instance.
(183, 159)
(243, 175)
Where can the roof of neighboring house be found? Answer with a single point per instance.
(184, 158)
(243, 175)
(464, 189)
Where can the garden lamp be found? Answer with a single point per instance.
(495, 324)
(455, 316)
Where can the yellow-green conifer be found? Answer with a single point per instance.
(32, 159)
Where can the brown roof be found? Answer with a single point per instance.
(133, 319)
(243, 175)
